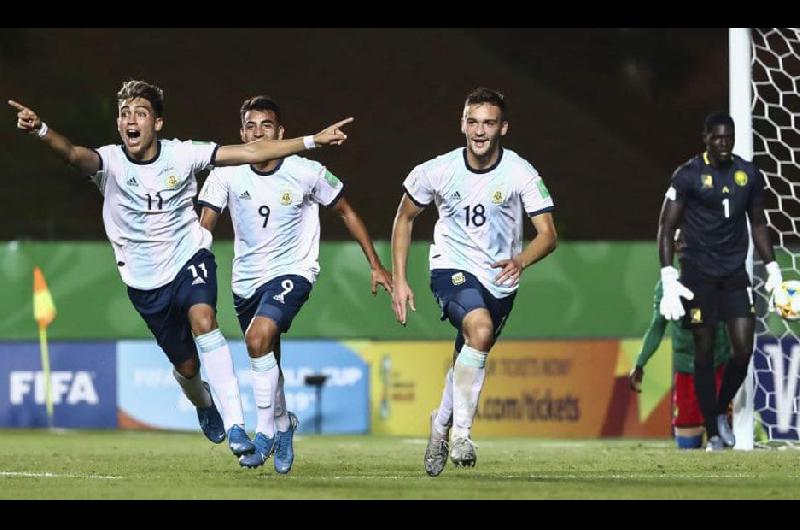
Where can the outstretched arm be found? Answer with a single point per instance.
(264, 150)
(86, 161)
(356, 227)
(401, 240)
(543, 244)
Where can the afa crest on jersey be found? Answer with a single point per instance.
(172, 182)
(286, 198)
(497, 197)
(740, 178)
(708, 181)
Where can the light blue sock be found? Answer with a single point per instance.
(265, 374)
(468, 376)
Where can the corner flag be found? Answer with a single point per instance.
(44, 311)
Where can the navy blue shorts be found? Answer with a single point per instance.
(716, 299)
(166, 309)
(280, 299)
(459, 292)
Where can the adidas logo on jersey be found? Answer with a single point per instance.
(198, 281)
(455, 197)
(132, 182)
(245, 196)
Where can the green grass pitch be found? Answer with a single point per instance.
(169, 465)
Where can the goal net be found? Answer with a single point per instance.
(768, 406)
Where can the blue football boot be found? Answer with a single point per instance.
(263, 448)
(211, 421)
(239, 442)
(284, 452)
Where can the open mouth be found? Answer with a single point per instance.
(133, 135)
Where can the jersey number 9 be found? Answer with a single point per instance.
(263, 211)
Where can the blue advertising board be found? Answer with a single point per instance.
(149, 397)
(776, 365)
(82, 380)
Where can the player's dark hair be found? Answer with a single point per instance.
(142, 89)
(717, 118)
(262, 103)
(487, 95)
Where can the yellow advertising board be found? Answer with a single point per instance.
(406, 381)
(559, 389)
(547, 388)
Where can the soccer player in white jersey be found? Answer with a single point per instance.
(161, 250)
(481, 192)
(275, 211)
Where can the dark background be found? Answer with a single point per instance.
(605, 115)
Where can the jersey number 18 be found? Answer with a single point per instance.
(478, 214)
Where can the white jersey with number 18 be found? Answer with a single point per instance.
(480, 211)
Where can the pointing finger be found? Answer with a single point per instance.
(343, 122)
(16, 105)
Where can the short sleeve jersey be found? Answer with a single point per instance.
(148, 213)
(716, 202)
(480, 211)
(275, 218)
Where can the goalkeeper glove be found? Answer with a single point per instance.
(671, 306)
(774, 280)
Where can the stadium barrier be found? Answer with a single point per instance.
(558, 370)
(563, 389)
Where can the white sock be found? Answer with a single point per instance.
(265, 382)
(193, 389)
(216, 357)
(444, 416)
(468, 376)
(282, 422)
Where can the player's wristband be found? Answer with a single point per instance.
(42, 130)
(309, 142)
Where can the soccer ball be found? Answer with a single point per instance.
(786, 299)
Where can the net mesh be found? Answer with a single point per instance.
(776, 151)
